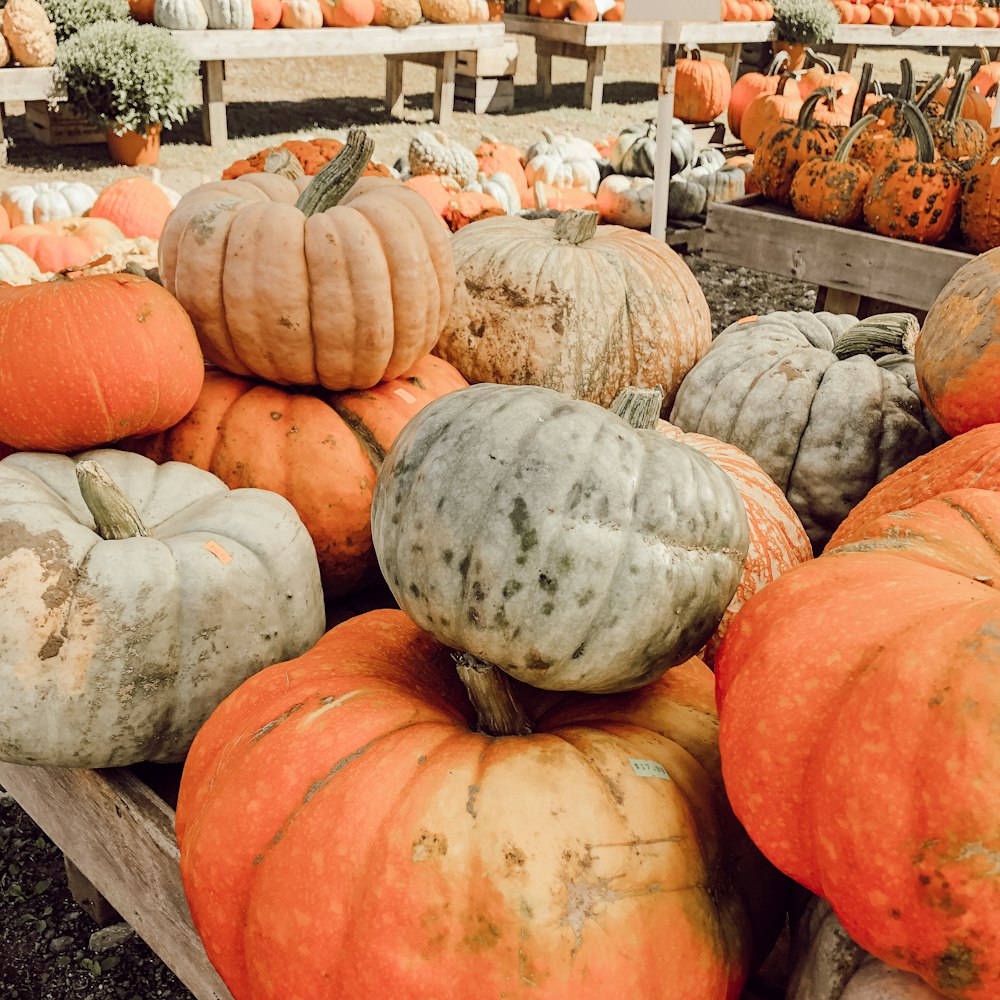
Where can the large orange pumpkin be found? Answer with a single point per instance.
(320, 450)
(430, 857)
(63, 243)
(958, 354)
(323, 282)
(860, 747)
(752, 85)
(89, 360)
(970, 460)
(703, 88)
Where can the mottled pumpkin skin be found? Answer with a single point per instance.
(344, 298)
(826, 431)
(777, 539)
(497, 866)
(117, 651)
(547, 536)
(783, 148)
(970, 460)
(958, 353)
(91, 360)
(914, 201)
(981, 200)
(860, 749)
(320, 450)
(590, 320)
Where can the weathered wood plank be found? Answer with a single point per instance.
(121, 837)
(29, 83)
(599, 33)
(848, 260)
(214, 126)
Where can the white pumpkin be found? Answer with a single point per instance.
(626, 201)
(563, 162)
(129, 615)
(501, 187)
(726, 184)
(47, 200)
(180, 15)
(302, 14)
(234, 15)
(16, 267)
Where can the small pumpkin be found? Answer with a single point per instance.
(582, 309)
(502, 188)
(957, 138)
(634, 151)
(138, 598)
(562, 162)
(46, 201)
(980, 209)
(455, 11)
(347, 13)
(767, 111)
(16, 267)
(181, 15)
(336, 331)
(267, 14)
(397, 13)
(988, 74)
(232, 15)
(302, 14)
(29, 33)
(687, 199)
(702, 89)
(63, 243)
(548, 198)
(312, 154)
(626, 201)
(751, 85)
(494, 156)
(436, 154)
(518, 590)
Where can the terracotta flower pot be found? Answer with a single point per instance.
(796, 54)
(135, 148)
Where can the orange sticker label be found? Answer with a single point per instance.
(406, 397)
(218, 551)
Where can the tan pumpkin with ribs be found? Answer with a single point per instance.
(329, 281)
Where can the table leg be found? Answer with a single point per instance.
(394, 101)
(847, 59)
(664, 120)
(88, 898)
(593, 88)
(444, 89)
(543, 70)
(836, 301)
(213, 110)
(734, 53)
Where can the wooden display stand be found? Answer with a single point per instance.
(21, 83)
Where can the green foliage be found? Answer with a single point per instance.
(127, 73)
(70, 16)
(807, 22)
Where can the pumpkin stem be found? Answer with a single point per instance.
(777, 62)
(338, 177)
(68, 272)
(843, 153)
(914, 119)
(497, 711)
(879, 336)
(284, 163)
(639, 408)
(805, 121)
(956, 99)
(859, 98)
(815, 59)
(576, 226)
(113, 513)
(928, 91)
(907, 84)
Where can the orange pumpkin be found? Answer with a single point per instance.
(988, 74)
(495, 854)
(313, 154)
(860, 749)
(547, 197)
(958, 354)
(494, 157)
(347, 13)
(703, 88)
(981, 200)
(766, 111)
(63, 243)
(319, 450)
(266, 13)
(91, 359)
(752, 85)
(141, 10)
(136, 205)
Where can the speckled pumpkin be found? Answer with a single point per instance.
(958, 353)
(503, 866)
(958, 138)
(548, 537)
(133, 608)
(333, 282)
(981, 200)
(577, 308)
(824, 419)
(860, 750)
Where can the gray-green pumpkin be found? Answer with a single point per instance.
(549, 537)
(634, 151)
(687, 197)
(828, 407)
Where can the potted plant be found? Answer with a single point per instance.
(801, 24)
(133, 79)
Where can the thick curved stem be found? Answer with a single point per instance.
(843, 153)
(640, 408)
(879, 336)
(956, 99)
(576, 226)
(859, 98)
(921, 132)
(338, 177)
(497, 711)
(113, 513)
(806, 121)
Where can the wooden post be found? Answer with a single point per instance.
(734, 53)
(394, 86)
(444, 89)
(543, 69)
(836, 301)
(88, 898)
(593, 87)
(847, 59)
(664, 123)
(213, 111)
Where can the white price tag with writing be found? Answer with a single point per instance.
(649, 769)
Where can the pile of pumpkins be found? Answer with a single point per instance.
(585, 808)
(199, 15)
(916, 166)
(27, 36)
(926, 13)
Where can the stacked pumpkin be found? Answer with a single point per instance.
(583, 11)
(926, 13)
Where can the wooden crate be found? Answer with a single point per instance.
(59, 126)
(484, 95)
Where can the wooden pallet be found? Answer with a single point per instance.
(857, 271)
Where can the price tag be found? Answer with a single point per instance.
(648, 769)
(406, 397)
(218, 551)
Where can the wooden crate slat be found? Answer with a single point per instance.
(120, 834)
(23, 83)
(850, 260)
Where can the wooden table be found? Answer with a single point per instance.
(858, 272)
(23, 83)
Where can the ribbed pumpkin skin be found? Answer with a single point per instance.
(136, 205)
(914, 201)
(620, 309)
(958, 353)
(703, 89)
(117, 651)
(970, 460)
(860, 749)
(777, 539)
(547, 536)
(320, 450)
(345, 298)
(826, 431)
(500, 866)
(92, 360)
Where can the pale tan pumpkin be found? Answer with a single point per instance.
(282, 287)
(29, 33)
(301, 14)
